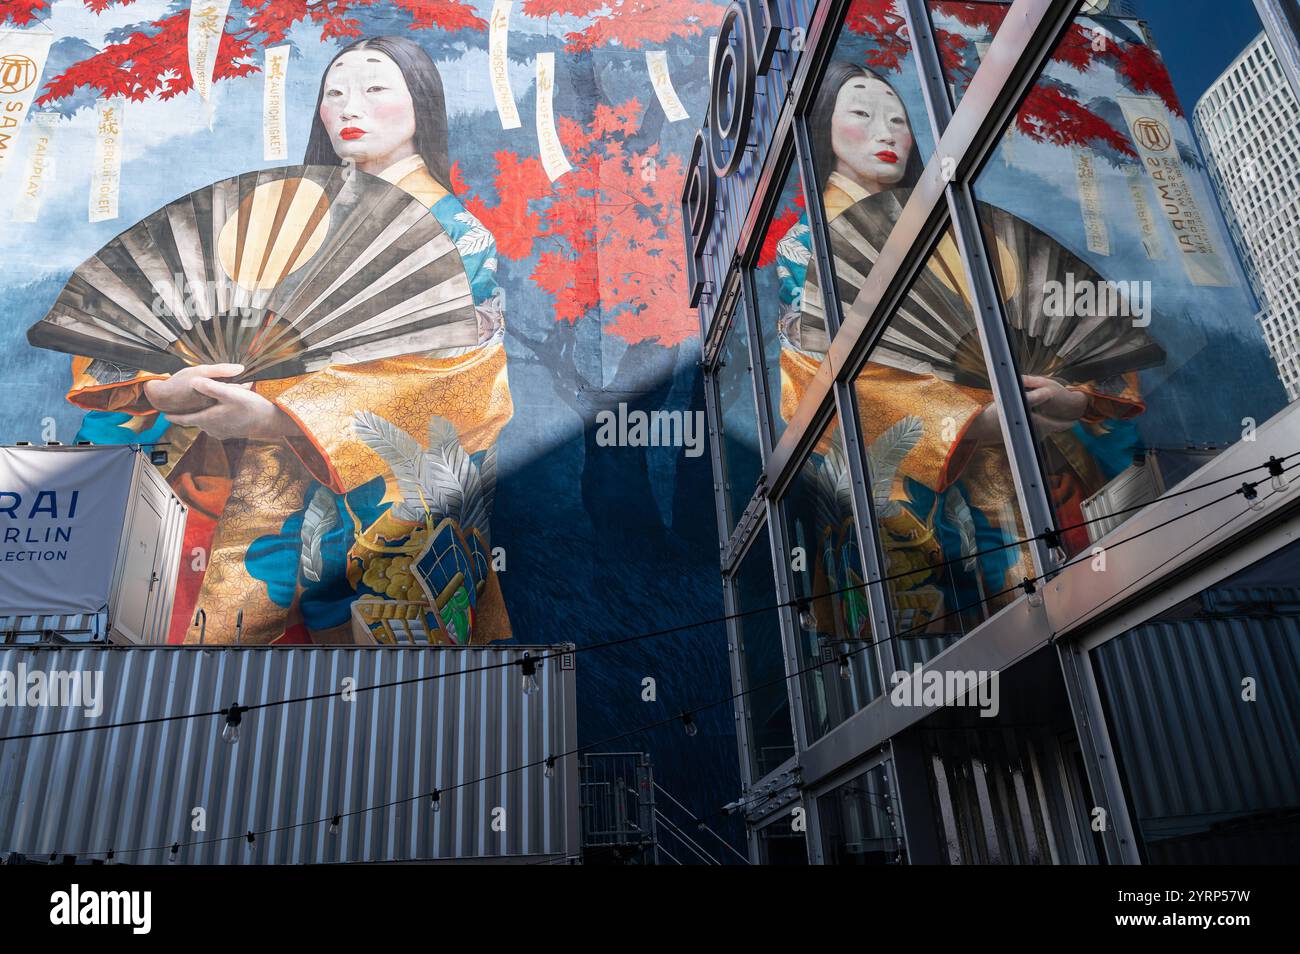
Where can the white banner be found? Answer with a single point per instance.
(1137, 190)
(207, 24)
(38, 168)
(275, 142)
(548, 140)
(499, 64)
(1152, 133)
(106, 173)
(22, 60)
(656, 61)
(1094, 219)
(61, 515)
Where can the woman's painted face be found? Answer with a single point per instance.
(870, 134)
(367, 110)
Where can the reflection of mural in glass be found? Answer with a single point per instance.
(835, 642)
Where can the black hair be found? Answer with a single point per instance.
(839, 72)
(425, 87)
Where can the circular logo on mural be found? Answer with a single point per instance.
(1152, 134)
(17, 72)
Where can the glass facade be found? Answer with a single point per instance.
(944, 497)
(758, 641)
(836, 653)
(741, 452)
(1073, 265)
(1120, 286)
(859, 821)
(868, 138)
(786, 251)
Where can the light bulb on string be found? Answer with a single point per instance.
(252, 840)
(807, 617)
(550, 766)
(528, 667)
(692, 730)
(846, 670)
(1253, 500)
(234, 715)
(175, 853)
(1055, 546)
(435, 800)
(334, 825)
(1032, 591)
(1278, 474)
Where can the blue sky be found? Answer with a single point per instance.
(1199, 38)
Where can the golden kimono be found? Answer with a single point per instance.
(939, 413)
(256, 500)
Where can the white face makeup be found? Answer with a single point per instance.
(367, 110)
(870, 134)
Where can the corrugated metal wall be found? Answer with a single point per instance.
(1195, 755)
(138, 786)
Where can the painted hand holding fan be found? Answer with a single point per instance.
(284, 271)
(933, 330)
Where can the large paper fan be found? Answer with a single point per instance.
(284, 271)
(933, 330)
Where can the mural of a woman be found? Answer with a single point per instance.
(863, 145)
(295, 506)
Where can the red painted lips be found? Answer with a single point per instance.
(885, 155)
(351, 132)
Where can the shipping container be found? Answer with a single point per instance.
(90, 541)
(454, 719)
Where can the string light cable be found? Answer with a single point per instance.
(684, 717)
(529, 664)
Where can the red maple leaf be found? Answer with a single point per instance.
(445, 14)
(607, 233)
(517, 182)
(1050, 113)
(631, 24)
(99, 6)
(21, 12)
(780, 224)
(146, 64)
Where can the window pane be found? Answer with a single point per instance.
(870, 137)
(943, 491)
(741, 458)
(859, 821)
(1210, 762)
(826, 568)
(779, 844)
(1125, 300)
(767, 706)
(784, 259)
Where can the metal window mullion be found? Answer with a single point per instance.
(1098, 755)
(713, 415)
(779, 544)
(864, 511)
(817, 226)
(758, 367)
(735, 658)
(1004, 377)
(929, 65)
(1021, 451)
(841, 392)
(813, 832)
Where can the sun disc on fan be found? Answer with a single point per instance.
(280, 226)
